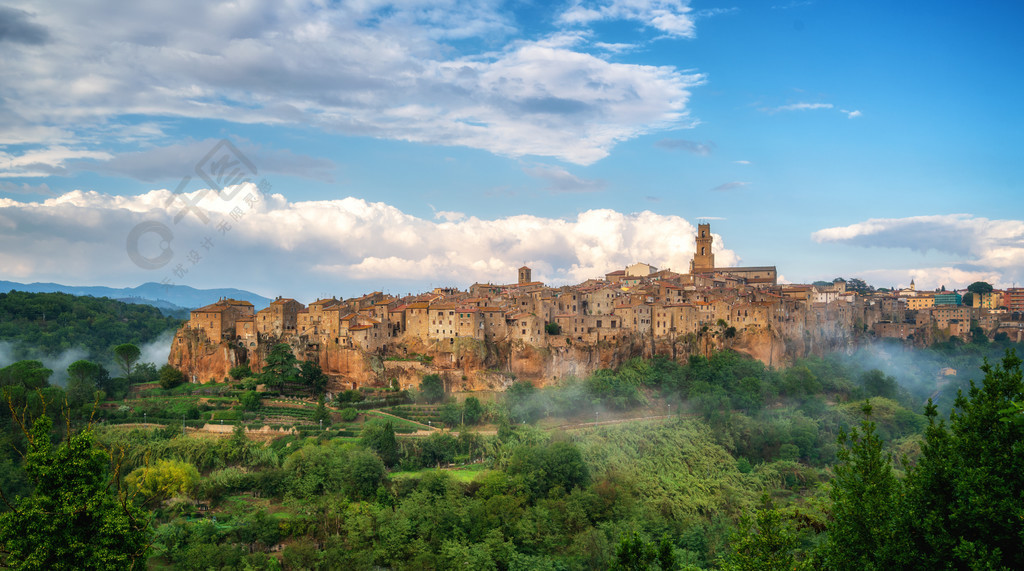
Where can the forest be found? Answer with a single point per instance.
(880, 459)
(47, 324)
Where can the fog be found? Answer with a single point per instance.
(155, 352)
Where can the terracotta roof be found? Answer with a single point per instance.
(282, 300)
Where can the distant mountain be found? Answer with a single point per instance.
(173, 299)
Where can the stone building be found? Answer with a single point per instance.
(217, 320)
(704, 262)
(279, 318)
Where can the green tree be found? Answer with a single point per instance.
(878, 384)
(280, 367)
(764, 542)
(28, 374)
(250, 400)
(963, 501)
(146, 373)
(239, 372)
(82, 376)
(552, 328)
(349, 414)
(71, 520)
(322, 415)
(313, 377)
(451, 414)
(865, 496)
(473, 410)
(170, 377)
(164, 480)
(379, 435)
(127, 355)
(633, 553)
(980, 287)
(432, 388)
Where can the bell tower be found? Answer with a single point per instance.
(524, 275)
(703, 259)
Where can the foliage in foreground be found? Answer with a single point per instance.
(72, 520)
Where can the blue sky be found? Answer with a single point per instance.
(403, 145)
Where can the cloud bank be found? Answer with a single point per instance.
(441, 72)
(983, 249)
(268, 244)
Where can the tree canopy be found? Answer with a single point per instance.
(432, 388)
(71, 520)
(51, 323)
(980, 287)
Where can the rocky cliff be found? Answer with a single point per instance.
(470, 364)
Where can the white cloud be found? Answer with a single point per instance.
(303, 248)
(380, 69)
(931, 278)
(800, 107)
(671, 17)
(990, 250)
(44, 161)
(803, 106)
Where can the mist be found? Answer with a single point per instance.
(158, 350)
(155, 352)
(56, 363)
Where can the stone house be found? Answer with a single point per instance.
(217, 320)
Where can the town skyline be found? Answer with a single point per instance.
(402, 146)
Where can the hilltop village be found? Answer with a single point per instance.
(491, 333)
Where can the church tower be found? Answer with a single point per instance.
(703, 259)
(524, 275)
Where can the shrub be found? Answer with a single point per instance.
(349, 414)
(170, 377)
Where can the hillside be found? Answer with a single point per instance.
(170, 298)
(48, 324)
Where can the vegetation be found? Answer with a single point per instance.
(714, 462)
(47, 324)
(432, 388)
(71, 520)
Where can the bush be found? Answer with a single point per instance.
(250, 400)
(240, 372)
(432, 388)
(170, 377)
(349, 396)
(349, 414)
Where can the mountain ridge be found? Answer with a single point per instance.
(167, 298)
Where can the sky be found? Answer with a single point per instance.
(313, 149)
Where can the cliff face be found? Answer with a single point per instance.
(202, 361)
(468, 364)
